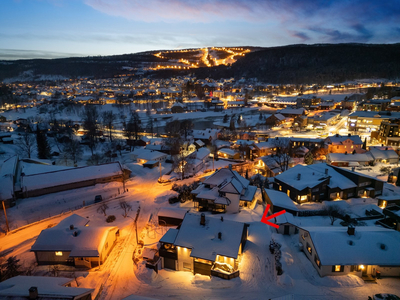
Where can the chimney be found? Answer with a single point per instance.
(349, 134)
(230, 167)
(75, 233)
(351, 230)
(33, 292)
(71, 227)
(337, 134)
(222, 219)
(326, 171)
(203, 219)
(298, 176)
(220, 235)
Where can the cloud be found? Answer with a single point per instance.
(14, 54)
(301, 35)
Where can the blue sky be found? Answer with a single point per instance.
(62, 28)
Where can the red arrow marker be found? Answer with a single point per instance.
(265, 219)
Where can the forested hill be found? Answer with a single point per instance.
(321, 63)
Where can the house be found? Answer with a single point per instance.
(280, 201)
(224, 191)
(207, 136)
(392, 215)
(73, 242)
(342, 144)
(275, 120)
(228, 153)
(321, 182)
(62, 180)
(363, 251)
(143, 156)
(41, 287)
(384, 155)
(267, 166)
(300, 122)
(292, 112)
(387, 201)
(170, 216)
(349, 160)
(204, 245)
(197, 160)
(177, 107)
(287, 224)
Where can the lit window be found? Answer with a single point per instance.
(309, 249)
(280, 188)
(338, 268)
(303, 198)
(59, 253)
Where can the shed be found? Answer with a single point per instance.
(168, 216)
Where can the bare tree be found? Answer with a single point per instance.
(132, 128)
(334, 212)
(125, 207)
(26, 144)
(73, 150)
(90, 124)
(108, 118)
(102, 209)
(282, 153)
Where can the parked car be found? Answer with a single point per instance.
(98, 198)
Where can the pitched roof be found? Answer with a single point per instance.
(335, 247)
(204, 241)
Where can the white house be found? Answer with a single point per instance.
(41, 287)
(225, 191)
(204, 245)
(143, 156)
(197, 160)
(362, 251)
(384, 155)
(73, 242)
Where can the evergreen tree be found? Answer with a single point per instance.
(43, 146)
(260, 117)
(10, 268)
(364, 146)
(225, 119)
(308, 158)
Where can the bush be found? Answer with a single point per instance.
(110, 218)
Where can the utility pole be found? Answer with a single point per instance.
(5, 215)
(160, 170)
(136, 218)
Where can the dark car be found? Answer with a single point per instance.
(98, 198)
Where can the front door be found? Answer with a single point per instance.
(286, 229)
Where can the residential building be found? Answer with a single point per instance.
(344, 144)
(339, 250)
(384, 155)
(73, 242)
(389, 132)
(224, 191)
(44, 288)
(204, 245)
(349, 160)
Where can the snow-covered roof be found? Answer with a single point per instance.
(336, 179)
(172, 212)
(281, 199)
(204, 241)
(62, 177)
(227, 151)
(87, 242)
(47, 286)
(199, 142)
(148, 154)
(338, 139)
(202, 153)
(170, 236)
(335, 246)
(284, 219)
(383, 153)
(301, 177)
(356, 157)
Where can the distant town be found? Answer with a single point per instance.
(139, 187)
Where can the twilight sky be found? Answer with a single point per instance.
(62, 28)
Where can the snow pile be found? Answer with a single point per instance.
(285, 280)
(164, 196)
(344, 281)
(144, 274)
(206, 282)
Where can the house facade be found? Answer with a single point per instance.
(224, 191)
(344, 144)
(204, 245)
(73, 242)
(348, 255)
